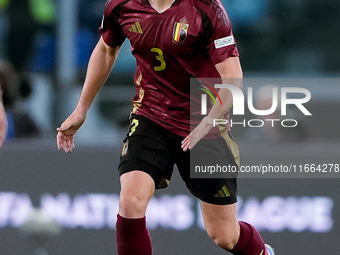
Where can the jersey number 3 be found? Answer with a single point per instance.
(133, 126)
(160, 58)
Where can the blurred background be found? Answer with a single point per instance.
(53, 203)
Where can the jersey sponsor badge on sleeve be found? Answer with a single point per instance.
(223, 42)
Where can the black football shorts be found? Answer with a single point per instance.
(150, 148)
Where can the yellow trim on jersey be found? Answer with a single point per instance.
(139, 79)
(231, 144)
(137, 104)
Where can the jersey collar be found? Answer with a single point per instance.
(177, 2)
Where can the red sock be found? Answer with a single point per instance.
(250, 241)
(132, 237)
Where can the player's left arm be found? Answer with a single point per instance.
(231, 73)
(223, 52)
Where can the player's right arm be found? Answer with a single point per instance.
(99, 68)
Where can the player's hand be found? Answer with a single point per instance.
(67, 130)
(197, 134)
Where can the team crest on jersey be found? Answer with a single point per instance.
(180, 32)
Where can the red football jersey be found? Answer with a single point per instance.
(183, 42)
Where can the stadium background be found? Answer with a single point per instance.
(285, 43)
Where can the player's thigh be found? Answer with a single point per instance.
(221, 223)
(215, 189)
(146, 149)
(137, 188)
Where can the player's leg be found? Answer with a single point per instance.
(236, 237)
(221, 224)
(220, 196)
(137, 188)
(144, 165)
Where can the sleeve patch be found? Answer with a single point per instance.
(223, 42)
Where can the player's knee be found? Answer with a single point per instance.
(226, 242)
(132, 205)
